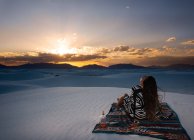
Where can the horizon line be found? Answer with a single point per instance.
(97, 64)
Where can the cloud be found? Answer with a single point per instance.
(171, 39)
(114, 51)
(120, 54)
(121, 51)
(121, 48)
(141, 51)
(189, 42)
(75, 57)
(47, 57)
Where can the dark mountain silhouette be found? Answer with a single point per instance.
(3, 66)
(155, 67)
(180, 66)
(174, 66)
(46, 66)
(68, 66)
(125, 66)
(94, 66)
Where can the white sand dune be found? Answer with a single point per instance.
(12, 80)
(71, 113)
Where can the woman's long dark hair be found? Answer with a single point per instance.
(150, 96)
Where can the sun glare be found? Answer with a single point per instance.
(62, 46)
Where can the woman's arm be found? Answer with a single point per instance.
(120, 100)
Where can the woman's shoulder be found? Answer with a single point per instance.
(136, 89)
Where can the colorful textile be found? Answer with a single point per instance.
(167, 126)
(134, 104)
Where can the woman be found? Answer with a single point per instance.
(143, 103)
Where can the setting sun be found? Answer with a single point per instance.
(62, 46)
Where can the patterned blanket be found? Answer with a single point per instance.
(166, 127)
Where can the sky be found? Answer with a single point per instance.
(104, 32)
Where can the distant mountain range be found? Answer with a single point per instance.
(41, 66)
(174, 66)
(2, 66)
(125, 66)
(181, 66)
(47, 65)
(94, 66)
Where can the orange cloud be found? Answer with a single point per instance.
(47, 58)
(103, 55)
(121, 48)
(189, 42)
(171, 39)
